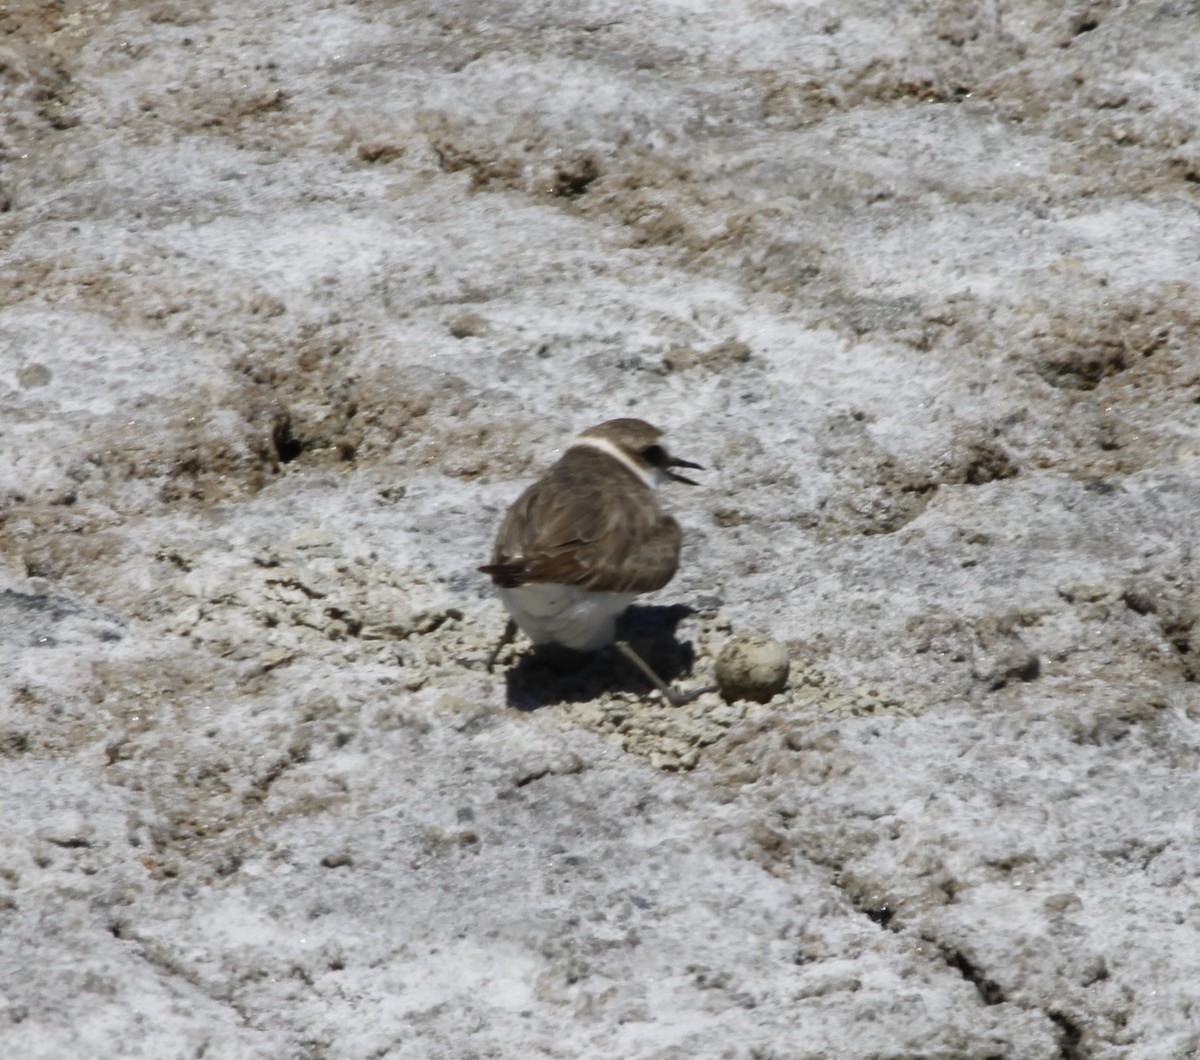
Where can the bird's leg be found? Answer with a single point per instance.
(676, 699)
(510, 633)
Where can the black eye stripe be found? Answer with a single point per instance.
(655, 455)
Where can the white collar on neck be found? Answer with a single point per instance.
(603, 445)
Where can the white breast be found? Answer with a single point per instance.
(563, 614)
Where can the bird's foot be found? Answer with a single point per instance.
(675, 698)
(510, 634)
(682, 699)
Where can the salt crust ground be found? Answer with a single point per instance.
(294, 298)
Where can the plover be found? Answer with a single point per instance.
(580, 544)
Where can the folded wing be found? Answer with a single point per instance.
(620, 544)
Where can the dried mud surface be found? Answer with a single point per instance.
(293, 301)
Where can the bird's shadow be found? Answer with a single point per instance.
(543, 676)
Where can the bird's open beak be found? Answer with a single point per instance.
(676, 476)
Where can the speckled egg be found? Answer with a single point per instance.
(752, 666)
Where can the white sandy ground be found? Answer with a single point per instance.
(295, 298)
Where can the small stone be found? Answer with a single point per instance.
(186, 620)
(752, 666)
(33, 375)
(382, 152)
(1057, 904)
(272, 659)
(67, 829)
(1095, 970)
(719, 358)
(467, 326)
(562, 764)
(315, 539)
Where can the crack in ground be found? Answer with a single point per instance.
(990, 992)
(1067, 1030)
(1070, 1034)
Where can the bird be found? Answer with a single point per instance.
(587, 538)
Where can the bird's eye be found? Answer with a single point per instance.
(655, 455)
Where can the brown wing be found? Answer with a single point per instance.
(623, 545)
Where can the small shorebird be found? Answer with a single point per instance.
(587, 538)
